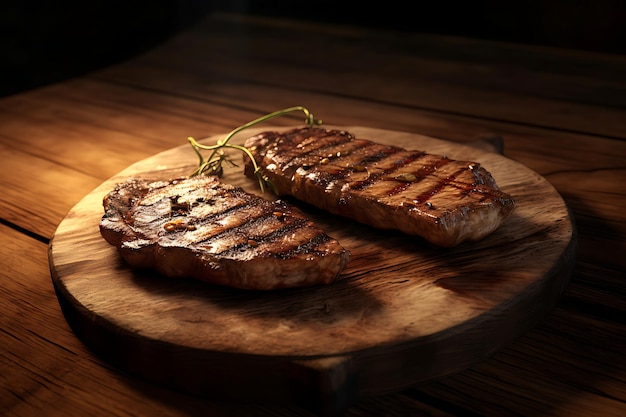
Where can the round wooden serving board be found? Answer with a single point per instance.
(405, 312)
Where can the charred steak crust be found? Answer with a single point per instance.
(440, 199)
(201, 228)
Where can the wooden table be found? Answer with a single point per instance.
(558, 112)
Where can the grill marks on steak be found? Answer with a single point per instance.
(200, 228)
(440, 199)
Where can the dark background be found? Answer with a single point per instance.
(44, 42)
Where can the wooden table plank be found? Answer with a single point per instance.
(553, 380)
(412, 79)
(159, 118)
(335, 110)
(37, 193)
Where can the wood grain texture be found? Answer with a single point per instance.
(555, 89)
(405, 312)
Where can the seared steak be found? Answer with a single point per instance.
(440, 199)
(201, 228)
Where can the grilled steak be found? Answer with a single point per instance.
(440, 199)
(201, 228)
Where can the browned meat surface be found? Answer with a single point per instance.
(200, 228)
(442, 200)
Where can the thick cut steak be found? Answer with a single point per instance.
(444, 201)
(201, 228)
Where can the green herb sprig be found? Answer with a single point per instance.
(213, 164)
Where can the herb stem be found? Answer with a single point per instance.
(213, 164)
